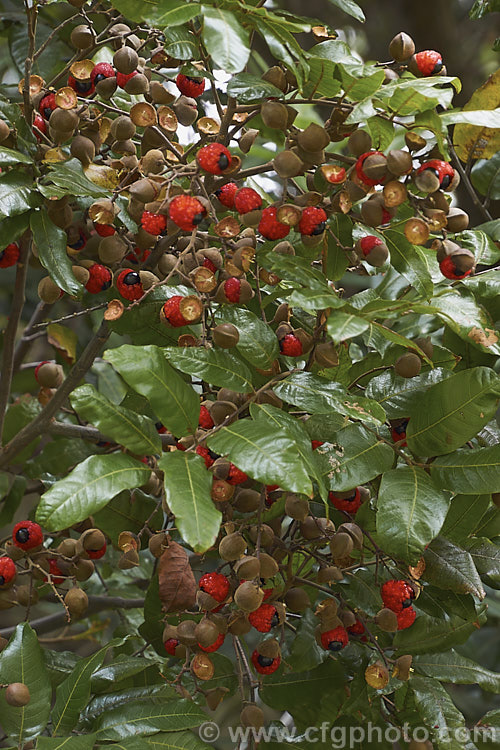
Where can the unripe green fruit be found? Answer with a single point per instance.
(408, 365)
(17, 694)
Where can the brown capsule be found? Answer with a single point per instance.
(330, 574)
(399, 162)
(17, 694)
(26, 595)
(159, 94)
(84, 569)
(246, 500)
(414, 141)
(238, 623)
(297, 507)
(206, 633)
(83, 149)
(354, 532)
(314, 528)
(68, 547)
(153, 162)
(408, 365)
(266, 534)
(252, 716)
(222, 491)
(297, 600)
(129, 559)
(214, 697)
(157, 543)
(61, 216)
(313, 138)
(112, 249)
(277, 77)
(122, 128)
(348, 618)
(402, 667)
(387, 620)
(186, 110)
(50, 375)
(186, 632)
(288, 164)
(206, 602)
(401, 47)
(202, 667)
(426, 181)
(359, 142)
(107, 87)
(248, 596)
(126, 60)
(225, 335)
(93, 540)
(416, 231)
(457, 220)
(248, 139)
(341, 545)
(232, 547)
(268, 565)
(4, 131)
(77, 602)
(82, 37)
(274, 115)
(377, 675)
(377, 256)
(426, 345)
(247, 568)
(139, 84)
(269, 648)
(326, 355)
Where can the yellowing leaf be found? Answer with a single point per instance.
(53, 155)
(101, 175)
(63, 339)
(475, 140)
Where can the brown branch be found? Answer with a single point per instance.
(12, 326)
(468, 184)
(31, 17)
(24, 344)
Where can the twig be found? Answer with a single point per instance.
(24, 344)
(468, 184)
(31, 17)
(11, 329)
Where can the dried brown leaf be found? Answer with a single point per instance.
(177, 583)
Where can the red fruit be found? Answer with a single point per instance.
(82, 88)
(9, 256)
(205, 421)
(160, 428)
(193, 87)
(153, 223)
(270, 227)
(448, 269)
(264, 618)
(96, 554)
(187, 212)
(336, 175)
(27, 535)
(39, 123)
(215, 645)
(172, 312)
(214, 584)
(442, 169)
(138, 256)
(350, 504)
(429, 62)
(264, 664)
(101, 71)
(122, 78)
(80, 242)
(399, 433)
(406, 618)
(359, 168)
(357, 629)
(236, 476)
(226, 193)
(7, 571)
(368, 243)
(47, 105)
(291, 346)
(267, 593)
(316, 443)
(232, 288)
(312, 221)
(267, 498)
(247, 199)
(207, 263)
(129, 284)
(104, 230)
(214, 158)
(206, 455)
(55, 571)
(397, 595)
(335, 640)
(170, 646)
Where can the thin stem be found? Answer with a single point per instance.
(468, 184)
(11, 329)
(24, 344)
(31, 16)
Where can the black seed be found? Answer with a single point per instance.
(198, 218)
(2, 580)
(406, 603)
(83, 87)
(105, 285)
(275, 620)
(79, 243)
(223, 161)
(445, 182)
(335, 646)
(47, 111)
(351, 498)
(193, 80)
(22, 535)
(437, 67)
(264, 661)
(319, 228)
(99, 77)
(213, 455)
(131, 278)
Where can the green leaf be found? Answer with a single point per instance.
(137, 10)
(72, 742)
(158, 713)
(410, 512)
(180, 43)
(451, 412)
(482, 7)
(12, 499)
(485, 176)
(304, 652)
(73, 694)
(69, 177)
(175, 12)
(438, 712)
(464, 516)
(13, 227)
(257, 342)
(188, 487)
(399, 396)
(8, 157)
(247, 88)
(125, 427)
(88, 488)
(351, 8)
(357, 457)
(468, 471)
(457, 669)
(433, 634)
(166, 741)
(450, 567)
(126, 512)
(296, 431)
(109, 383)
(343, 325)
(486, 118)
(147, 371)
(468, 319)
(486, 557)
(215, 366)
(409, 261)
(267, 455)
(22, 660)
(226, 40)
(51, 244)
(16, 193)
(117, 670)
(315, 395)
(483, 247)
